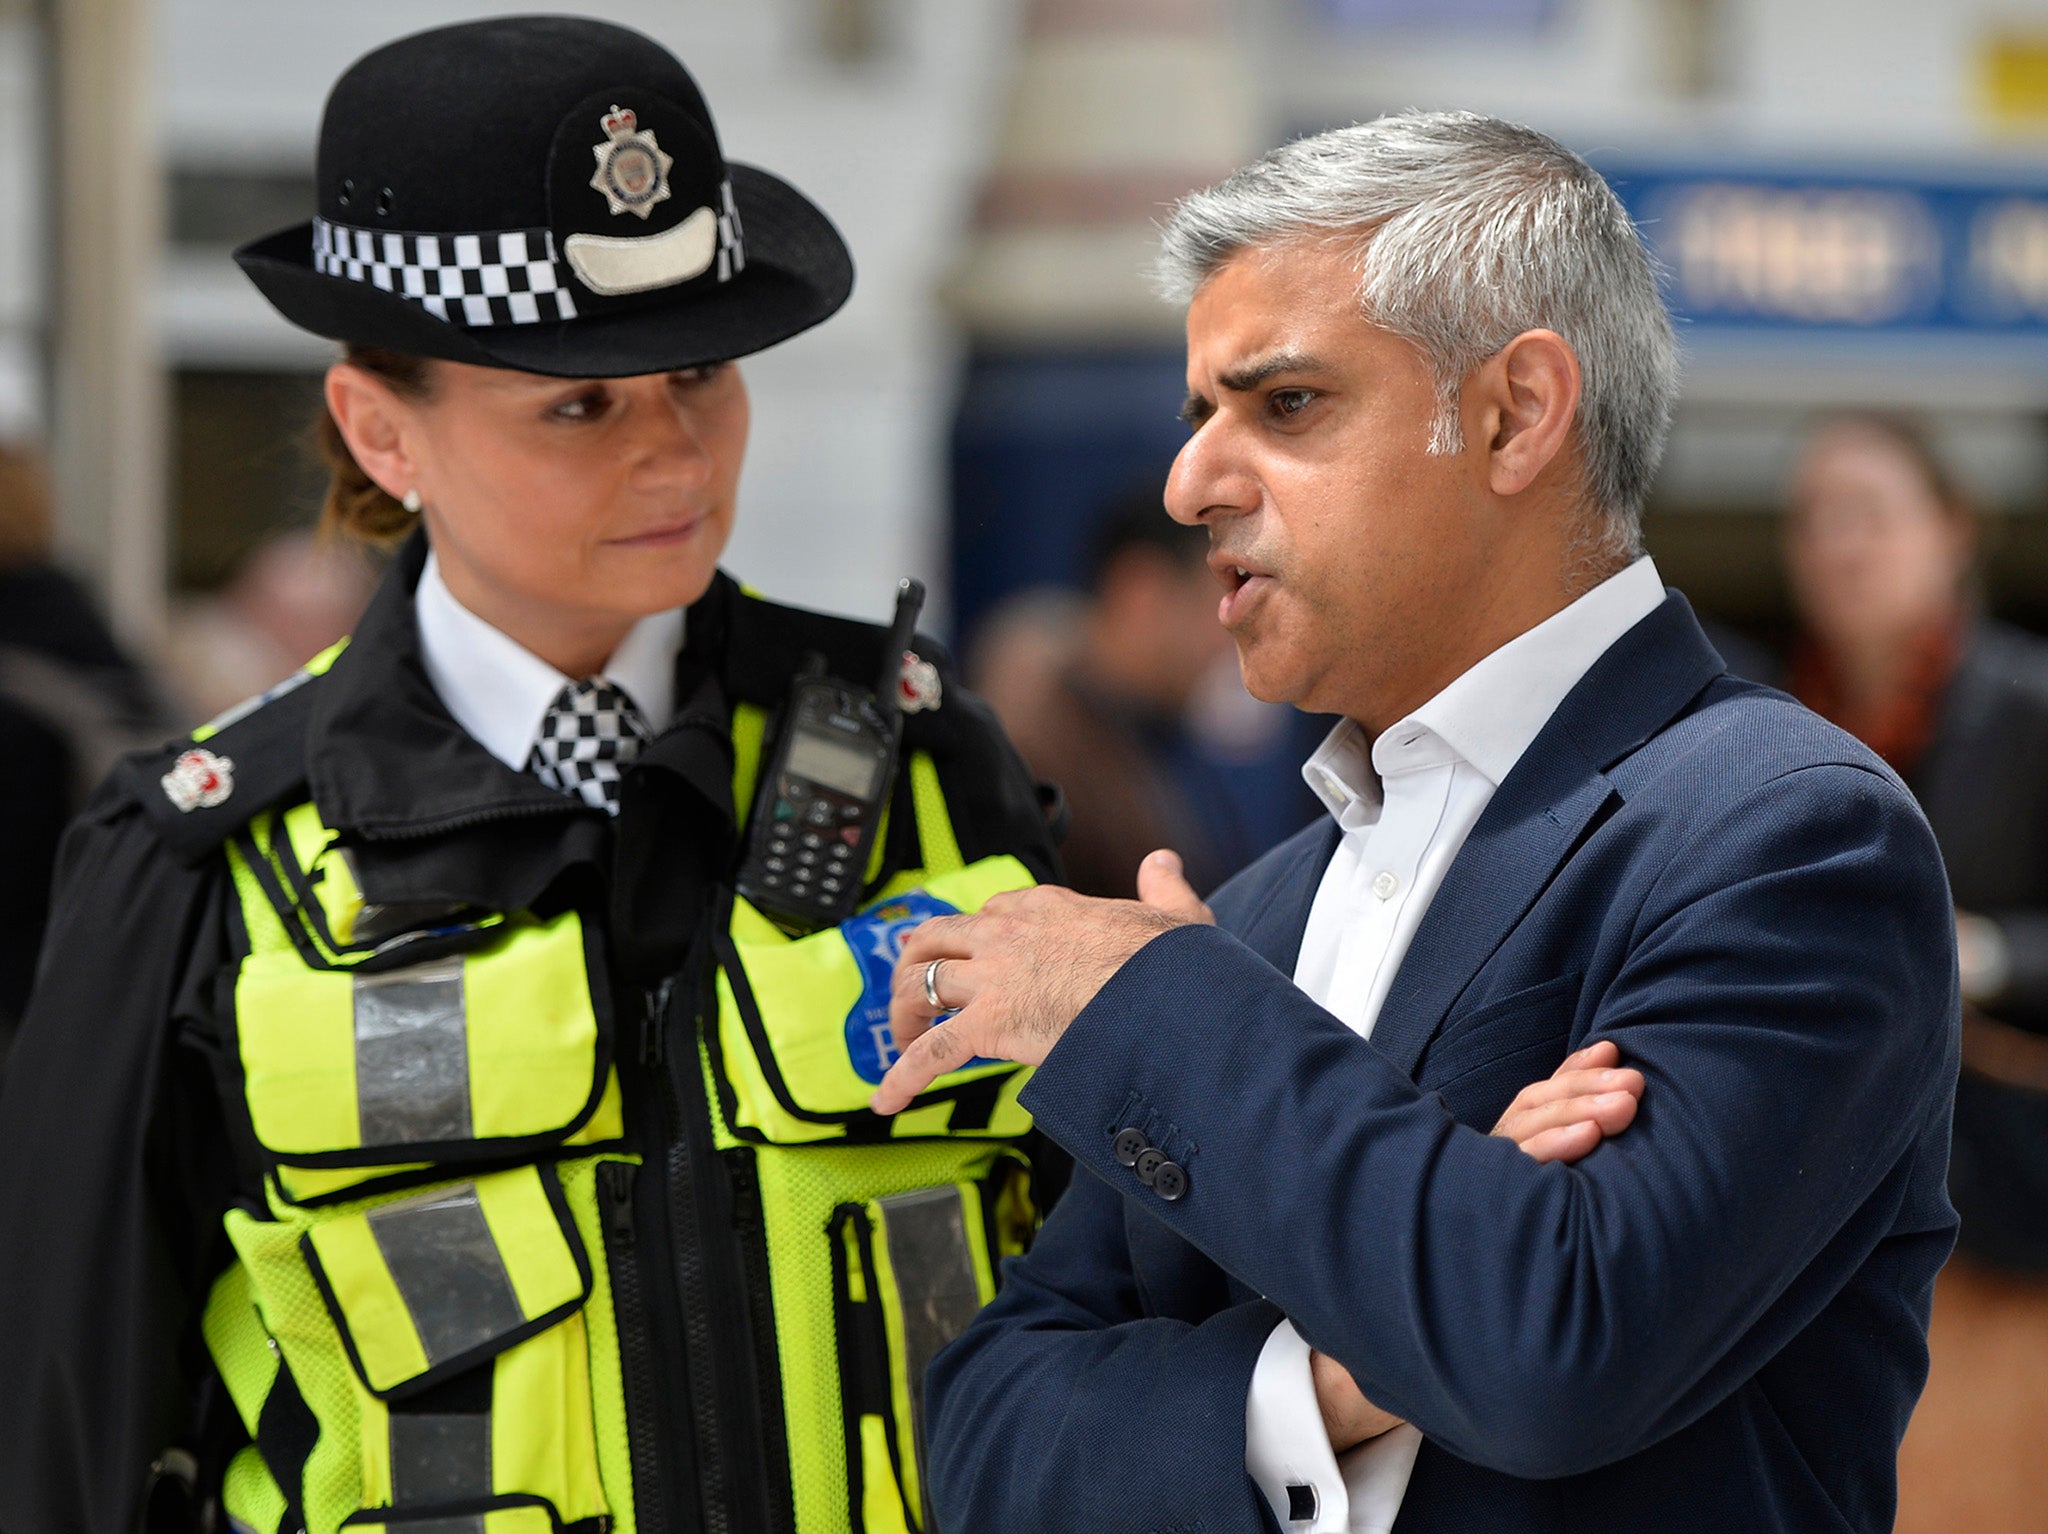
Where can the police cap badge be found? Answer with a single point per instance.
(632, 172)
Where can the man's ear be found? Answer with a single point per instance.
(373, 422)
(1530, 399)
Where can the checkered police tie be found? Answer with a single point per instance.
(592, 730)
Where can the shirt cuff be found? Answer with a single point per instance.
(1286, 1449)
(1288, 1456)
(1376, 1478)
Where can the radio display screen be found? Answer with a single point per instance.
(834, 764)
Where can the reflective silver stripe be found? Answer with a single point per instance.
(447, 1268)
(935, 1288)
(440, 1457)
(412, 1055)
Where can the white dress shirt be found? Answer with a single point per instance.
(499, 690)
(1406, 803)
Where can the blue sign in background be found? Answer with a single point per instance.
(1845, 253)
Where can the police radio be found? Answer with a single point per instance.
(818, 804)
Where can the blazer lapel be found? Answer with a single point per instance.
(1538, 816)
(1281, 916)
(1532, 823)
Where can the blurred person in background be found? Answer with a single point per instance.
(1880, 541)
(1096, 691)
(295, 594)
(71, 703)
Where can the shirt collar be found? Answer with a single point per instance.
(499, 691)
(1339, 772)
(1489, 716)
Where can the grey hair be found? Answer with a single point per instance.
(1470, 231)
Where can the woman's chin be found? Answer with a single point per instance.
(657, 577)
(641, 597)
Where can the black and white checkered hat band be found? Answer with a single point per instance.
(508, 278)
(732, 244)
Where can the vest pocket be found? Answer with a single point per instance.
(909, 1271)
(802, 1037)
(451, 1343)
(353, 1075)
(430, 1286)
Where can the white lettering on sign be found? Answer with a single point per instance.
(2009, 257)
(1838, 256)
(885, 1043)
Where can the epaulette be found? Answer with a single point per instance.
(198, 791)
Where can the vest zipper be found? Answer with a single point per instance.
(636, 1349)
(724, 1391)
(653, 1024)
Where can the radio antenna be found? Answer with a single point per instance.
(909, 603)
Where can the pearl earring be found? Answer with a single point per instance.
(411, 501)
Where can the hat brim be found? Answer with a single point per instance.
(798, 273)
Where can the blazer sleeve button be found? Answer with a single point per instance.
(1149, 1164)
(1170, 1181)
(1129, 1145)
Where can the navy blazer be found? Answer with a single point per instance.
(1714, 1322)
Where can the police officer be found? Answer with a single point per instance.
(413, 1128)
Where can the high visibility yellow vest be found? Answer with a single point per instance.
(428, 1324)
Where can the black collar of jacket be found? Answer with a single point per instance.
(760, 646)
(371, 743)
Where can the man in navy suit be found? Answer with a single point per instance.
(1295, 1285)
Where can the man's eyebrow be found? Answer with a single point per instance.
(1249, 375)
(1197, 408)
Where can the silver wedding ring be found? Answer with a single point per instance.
(931, 985)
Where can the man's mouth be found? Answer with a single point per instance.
(1243, 587)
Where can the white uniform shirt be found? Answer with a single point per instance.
(499, 690)
(1406, 803)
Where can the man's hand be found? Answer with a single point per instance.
(1348, 1417)
(1017, 972)
(1585, 1100)
(1560, 1118)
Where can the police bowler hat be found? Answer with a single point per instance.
(544, 193)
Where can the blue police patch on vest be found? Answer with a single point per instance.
(876, 938)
